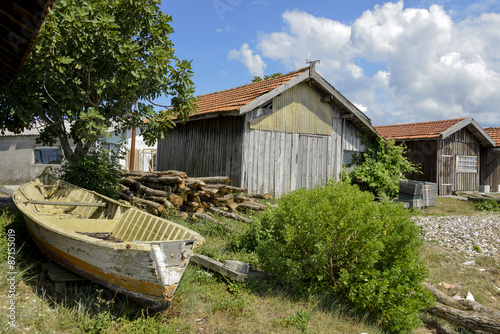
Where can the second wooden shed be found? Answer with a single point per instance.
(448, 151)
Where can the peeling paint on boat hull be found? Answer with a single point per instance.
(145, 270)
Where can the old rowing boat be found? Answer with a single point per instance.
(110, 243)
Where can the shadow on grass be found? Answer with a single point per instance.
(81, 298)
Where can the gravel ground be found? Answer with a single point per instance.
(473, 235)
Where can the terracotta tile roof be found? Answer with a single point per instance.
(423, 130)
(495, 134)
(235, 98)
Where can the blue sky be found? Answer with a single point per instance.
(397, 61)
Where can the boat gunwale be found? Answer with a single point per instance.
(115, 244)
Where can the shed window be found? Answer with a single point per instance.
(352, 158)
(467, 163)
(49, 155)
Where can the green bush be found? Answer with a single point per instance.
(97, 171)
(383, 166)
(336, 239)
(490, 205)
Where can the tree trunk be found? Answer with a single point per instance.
(465, 313)
(468, 319)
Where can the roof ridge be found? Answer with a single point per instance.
(420, 123)
(270, 80)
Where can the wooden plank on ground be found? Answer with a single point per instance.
(218, 267)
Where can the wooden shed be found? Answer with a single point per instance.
(490, 161)
(447, 151)
(272, 136)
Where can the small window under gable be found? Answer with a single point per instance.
(48, 155)
(466, 163)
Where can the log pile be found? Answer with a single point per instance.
(200, 197)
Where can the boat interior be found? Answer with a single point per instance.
(77, 210)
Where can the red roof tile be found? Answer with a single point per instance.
(235, 98)
(494, 133)
(423, 130)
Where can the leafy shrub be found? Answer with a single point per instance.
(97, 171)
(337, 239)
(490, 205)
(383, 166)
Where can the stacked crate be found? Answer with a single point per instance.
(429, 194)
(416, 194)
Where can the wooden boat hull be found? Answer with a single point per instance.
(114, 245)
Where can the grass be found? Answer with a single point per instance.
(209, 303)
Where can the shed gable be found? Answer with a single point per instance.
(297, 110)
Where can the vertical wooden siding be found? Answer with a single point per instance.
(208, 147)
(424, 154)
(461, 142)
(279, 162)
(490, 168)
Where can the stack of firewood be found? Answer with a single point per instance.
(199, 197)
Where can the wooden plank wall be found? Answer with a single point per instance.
(424, 154)
(490, 168)
(279, 162)
(207, 147)
(461, 142)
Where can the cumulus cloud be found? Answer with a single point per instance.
(253, 63)
(428, 66)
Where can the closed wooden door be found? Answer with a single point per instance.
(446, 175)
(312, 161)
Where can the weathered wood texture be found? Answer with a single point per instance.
(207, 147)
(449, 179)
(218, 267)
(424, 154)
(490, 168)
(294, 150)
(279, 162)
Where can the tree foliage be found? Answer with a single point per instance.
(98, 170)
(337, 239)
(258, 78)
(92, 61)
(383, 166)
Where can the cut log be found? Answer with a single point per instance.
(230, 215)
(170, 179)
(260, 196)
(214, 179)
(156, 173)
(156, 199)
(194, 183)
(231, 206)
(176, 200)
(156, 206)
(210, 218)
(221, 189)
(239, 198)
(251, 206)
(139, 187)
(237, 189)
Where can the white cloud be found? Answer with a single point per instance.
(253, 63)
(427, 66)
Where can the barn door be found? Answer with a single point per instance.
(312, 161)
(446, 175)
